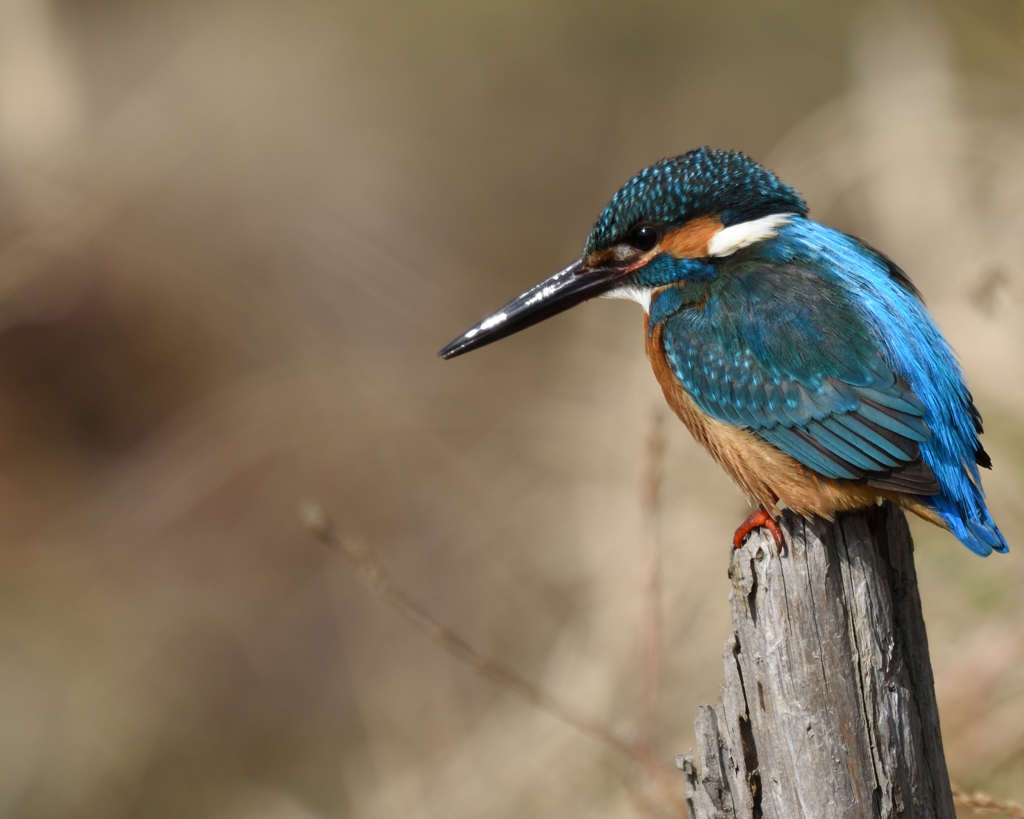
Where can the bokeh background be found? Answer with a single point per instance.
(233, 234)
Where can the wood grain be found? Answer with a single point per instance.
(828, 708)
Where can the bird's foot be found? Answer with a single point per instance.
(758, 518)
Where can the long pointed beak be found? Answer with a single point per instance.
(565, 289)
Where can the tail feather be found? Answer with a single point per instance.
(974, 528)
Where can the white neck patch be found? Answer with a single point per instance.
(728, 240)
(724, 243)
(641, 295)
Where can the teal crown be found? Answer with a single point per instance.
(701, 182)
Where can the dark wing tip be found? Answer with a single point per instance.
(915, 478)
(982, 458)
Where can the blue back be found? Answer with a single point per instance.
(811, 339)
(822, 347)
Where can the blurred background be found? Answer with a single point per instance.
(233, 236)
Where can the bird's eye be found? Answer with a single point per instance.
(643, 237)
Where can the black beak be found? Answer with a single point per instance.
(566, 289)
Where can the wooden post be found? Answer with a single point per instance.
(828, 708)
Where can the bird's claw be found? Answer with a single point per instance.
(758, 518)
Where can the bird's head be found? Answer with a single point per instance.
(669, 224)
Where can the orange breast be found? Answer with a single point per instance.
(767, 475)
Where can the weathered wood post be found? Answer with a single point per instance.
(828, 708)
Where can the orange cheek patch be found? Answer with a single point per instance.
(598, 258)
(692, 239)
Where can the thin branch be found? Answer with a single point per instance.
(647, 806)
(650, 642)
(984, 804)
(376, 579)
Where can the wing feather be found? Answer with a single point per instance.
(780, 350)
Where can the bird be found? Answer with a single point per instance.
(803, 359)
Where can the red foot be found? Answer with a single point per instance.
(759, 517)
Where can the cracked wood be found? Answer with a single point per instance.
(828, 708)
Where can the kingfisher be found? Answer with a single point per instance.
(800, 357)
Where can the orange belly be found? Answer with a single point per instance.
(767, 475)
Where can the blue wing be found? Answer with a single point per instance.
(778, 349)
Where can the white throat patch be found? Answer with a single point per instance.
(641, 295)
(724, 243)
(728, 240)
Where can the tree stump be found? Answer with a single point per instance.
(828, 708)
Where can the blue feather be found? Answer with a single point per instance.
(810, 339)
(870, 437)
(840, 426)
(841, 447)
(896, 423)
(791, 442)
